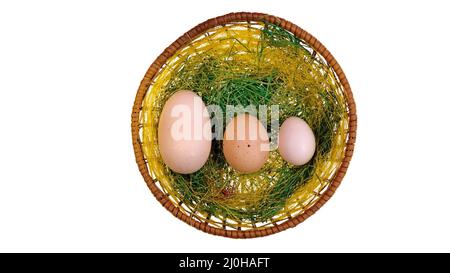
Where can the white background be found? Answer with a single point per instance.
(69, 71)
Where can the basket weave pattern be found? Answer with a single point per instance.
(206, 224)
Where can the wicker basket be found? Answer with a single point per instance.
(222, 227)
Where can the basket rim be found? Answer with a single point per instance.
(180, 43)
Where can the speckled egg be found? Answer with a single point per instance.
(246, 143)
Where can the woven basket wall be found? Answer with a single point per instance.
(205, 223)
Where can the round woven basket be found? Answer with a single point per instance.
(317, 197)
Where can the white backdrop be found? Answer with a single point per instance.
(69, 71)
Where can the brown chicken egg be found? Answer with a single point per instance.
(246, 143)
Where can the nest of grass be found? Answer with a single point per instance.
(249, 62)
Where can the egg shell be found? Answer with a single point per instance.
(296, 141)
(184, 132)
(246, 143)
